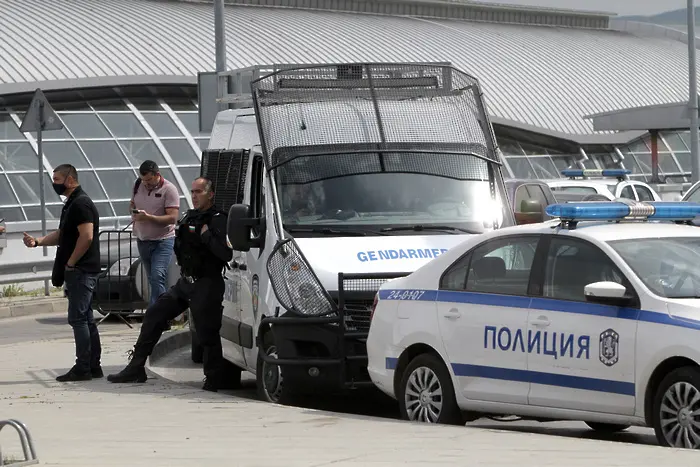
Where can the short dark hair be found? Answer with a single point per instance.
(67, 170)
(149, 167)
(209, 184)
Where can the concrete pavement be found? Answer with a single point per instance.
(166, 424)
(13, 307)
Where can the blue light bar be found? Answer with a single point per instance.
(612, 210)
(595, 172)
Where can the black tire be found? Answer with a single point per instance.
(269, 378)
(197, 350)
(607, 427)
(683, 385)
(449, 412)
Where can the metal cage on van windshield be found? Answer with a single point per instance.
(378, 106)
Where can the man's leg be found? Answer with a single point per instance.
(170, 304)
(205, 305)
(161, 255)
(79, 287)
(95, 344)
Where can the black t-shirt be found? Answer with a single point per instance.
(79, 209)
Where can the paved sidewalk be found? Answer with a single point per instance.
(13, 307)
(164, 424)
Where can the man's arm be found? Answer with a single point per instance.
(214, 237)
(49, 240)
(169, 218)
(83, 243)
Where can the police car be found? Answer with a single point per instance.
(594, 316)
(612, 185)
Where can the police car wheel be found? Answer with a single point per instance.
(426, 393)
(676, 416)
(607, 427)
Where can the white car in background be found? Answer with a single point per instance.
(592, 317)
(612, 185)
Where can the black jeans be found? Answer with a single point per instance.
(79, 288)
(204, 298)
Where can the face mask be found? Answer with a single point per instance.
(59, 188)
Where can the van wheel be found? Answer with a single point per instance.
(269, 377)
(607, 427)
(426, 393)
(676, 415)
(197, 353)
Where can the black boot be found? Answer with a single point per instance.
(210, 384)
(97, 372)
(74, 375)
(134, 372)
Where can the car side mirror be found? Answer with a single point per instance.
(607, 293)
(239, 228)
(531, 212)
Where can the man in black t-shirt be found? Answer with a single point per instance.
(78, 265)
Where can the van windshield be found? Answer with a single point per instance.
(389, 198)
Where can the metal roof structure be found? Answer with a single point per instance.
(673, 116)
(536, 77)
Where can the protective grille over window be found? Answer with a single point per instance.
(296, 286)
(370, 103)
(227, 170)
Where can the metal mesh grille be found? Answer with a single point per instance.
(362, 285)
(296, 286)
(369, 103)
(228, 171)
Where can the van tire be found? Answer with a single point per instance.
(265, 376)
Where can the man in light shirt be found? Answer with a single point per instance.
(155, 205)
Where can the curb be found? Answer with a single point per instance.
(33, 307)
(171, 342)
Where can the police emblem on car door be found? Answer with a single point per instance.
(609, 347)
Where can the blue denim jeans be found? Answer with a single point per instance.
(79, 288)
(156, 256)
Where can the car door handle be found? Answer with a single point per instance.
(452, 313)
(541, 322)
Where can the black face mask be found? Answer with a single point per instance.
(59, 188)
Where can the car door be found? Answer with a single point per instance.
(585, 355)
(482, 312)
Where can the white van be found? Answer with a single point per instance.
(336, 183)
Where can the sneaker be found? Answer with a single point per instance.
(97, 372)
(130, 374)
(74, 375)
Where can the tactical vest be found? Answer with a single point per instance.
(194, 258)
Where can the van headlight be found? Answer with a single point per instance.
(121, 267)
(296, 286)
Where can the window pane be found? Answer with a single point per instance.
(180, 103)
(162, 124)
(675, 142)
(88, 180)
(18, 156)
(69, 105)
(109, 104)
(509, 147)
(685, 161)
(521, 167)
(27, 188)
(6, 195)
(644, 161)
(139, 151)
(532, 150)
(8, 129)
(180, 151)
(124, 125)
(146, 103)
(189, 174)
(203, 143)
(562, 163)
(544, 167)
(643, 193)
(667, 164)
(104, 154)
(12, 214)
(191, 122)
(502, 267)
(85, 126)
(639, 146)
(456, 277)
(121, 208)
(52, 212)
(64, 152)
(169, 176)
(104, 209)
(118, 183)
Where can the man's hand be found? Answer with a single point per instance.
(29, 241)
(142, 216)
(205, 227)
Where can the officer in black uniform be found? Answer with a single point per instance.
(202, 253)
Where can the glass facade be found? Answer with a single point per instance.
(109, 133)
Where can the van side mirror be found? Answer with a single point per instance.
(607, 293)
(531, 212)
(239, 228)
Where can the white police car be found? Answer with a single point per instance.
(612, 185)
(593, 317)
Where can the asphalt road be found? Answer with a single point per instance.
(179, 368)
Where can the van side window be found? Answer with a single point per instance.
(257, 194)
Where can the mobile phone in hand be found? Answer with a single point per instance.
(135, 211)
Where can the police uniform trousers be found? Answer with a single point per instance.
(204, 298)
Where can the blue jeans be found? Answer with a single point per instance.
(79, 288)
(155, 257)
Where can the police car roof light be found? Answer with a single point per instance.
(614, 173)
(612, 210)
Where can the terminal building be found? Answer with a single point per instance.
(122, 76)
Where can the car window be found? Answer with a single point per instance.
(502, 266)
(572, 265)
(627, 192)
(644, 193)
(456, 276)
(694, 197)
